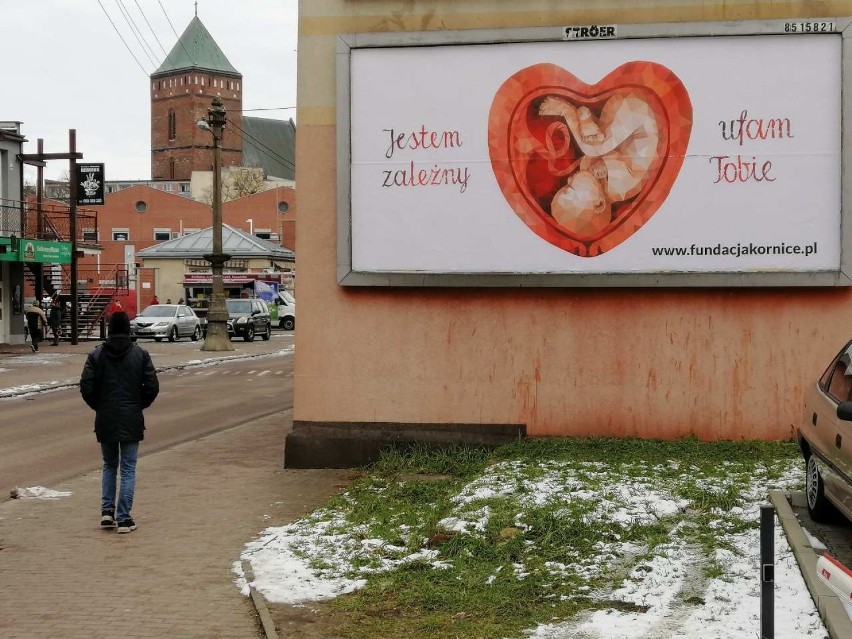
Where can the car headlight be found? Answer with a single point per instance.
(242, 320)
(161, 324)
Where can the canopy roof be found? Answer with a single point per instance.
(235, 243)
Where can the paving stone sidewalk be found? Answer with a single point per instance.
(196, 505)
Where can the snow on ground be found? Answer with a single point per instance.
(311, 559)
(38, 492)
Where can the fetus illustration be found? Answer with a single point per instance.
(586, 166)
(618, 150)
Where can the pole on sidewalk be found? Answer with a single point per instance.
(767, 572)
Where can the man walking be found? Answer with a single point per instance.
(55, 320)
(36, 324)
(118, 382)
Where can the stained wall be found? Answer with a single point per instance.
(713, 362)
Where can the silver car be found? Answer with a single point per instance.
(825, 437)
(171, 321)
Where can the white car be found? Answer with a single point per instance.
(171, 321)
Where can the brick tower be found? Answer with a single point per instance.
(181, 92)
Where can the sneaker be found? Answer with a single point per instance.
(33, 348)
(107, 519)
(126, 526)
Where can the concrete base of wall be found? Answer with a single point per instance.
(351, 444)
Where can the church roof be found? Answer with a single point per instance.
(235, 243)
(196, 50)
(270, 145)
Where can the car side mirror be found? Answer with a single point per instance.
(844, 411)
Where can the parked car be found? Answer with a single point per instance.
(171, 321)
(825, 438)
(247, 318)
(286, 305)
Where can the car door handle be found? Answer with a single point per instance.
(814, 419)
(837, 440)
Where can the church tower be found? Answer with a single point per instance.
(182, 90)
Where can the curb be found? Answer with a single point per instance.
(831, 609)
(259, 603)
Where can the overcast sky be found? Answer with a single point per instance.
(65, 67)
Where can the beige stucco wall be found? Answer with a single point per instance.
(719, 363)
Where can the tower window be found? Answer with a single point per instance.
(172, 124)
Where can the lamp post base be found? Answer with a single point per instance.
(217, 338)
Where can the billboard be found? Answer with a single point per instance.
(654, 156)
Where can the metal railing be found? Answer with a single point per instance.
(11, 217)
(51, 221)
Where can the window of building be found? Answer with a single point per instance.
(283, 207)
(90, 235)
(171, 168)
(120, 235)
(264, 234)
(238, 86)
(161, 235)
(184, 187)
(141, 207)
(172, 124)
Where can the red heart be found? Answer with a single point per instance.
(612, 193)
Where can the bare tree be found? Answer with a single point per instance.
(237, 182)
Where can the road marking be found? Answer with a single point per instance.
(262, 373)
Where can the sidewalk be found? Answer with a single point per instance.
(196, 506)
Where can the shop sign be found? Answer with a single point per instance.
(90, 184)
(43, 252)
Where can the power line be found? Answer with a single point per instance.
(180, 41)
(271, 153)
(135, 31)
(153, 33)
(122, 39)
(269, 109)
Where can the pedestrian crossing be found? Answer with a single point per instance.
(230, 373)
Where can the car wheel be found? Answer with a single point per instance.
(288, 323)
(158, 339)
(819, 507)
(196, 334)
(173, 334)
(249, 336)
(268, 332)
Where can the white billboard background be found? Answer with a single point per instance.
(450, 229)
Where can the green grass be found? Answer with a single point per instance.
(539, 553)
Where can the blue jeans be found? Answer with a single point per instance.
(118, 456)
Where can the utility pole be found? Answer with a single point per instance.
(38, 160)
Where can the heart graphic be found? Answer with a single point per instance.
(585, 166)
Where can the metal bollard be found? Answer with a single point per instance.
(767, 572)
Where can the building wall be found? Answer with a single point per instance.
(175, 214)
(717, 363)
(189, 96)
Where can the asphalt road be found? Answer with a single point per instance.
(47, 437)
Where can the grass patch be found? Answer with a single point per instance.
(542, 529)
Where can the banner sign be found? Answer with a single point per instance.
(44, 252)
(685, 155)
(90, 184)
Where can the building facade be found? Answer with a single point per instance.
(713, 361)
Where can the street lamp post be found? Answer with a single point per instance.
(217, 316)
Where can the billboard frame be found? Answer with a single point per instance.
(346, 43)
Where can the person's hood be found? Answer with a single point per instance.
(118, 345)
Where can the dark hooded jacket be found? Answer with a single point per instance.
(118, 382)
